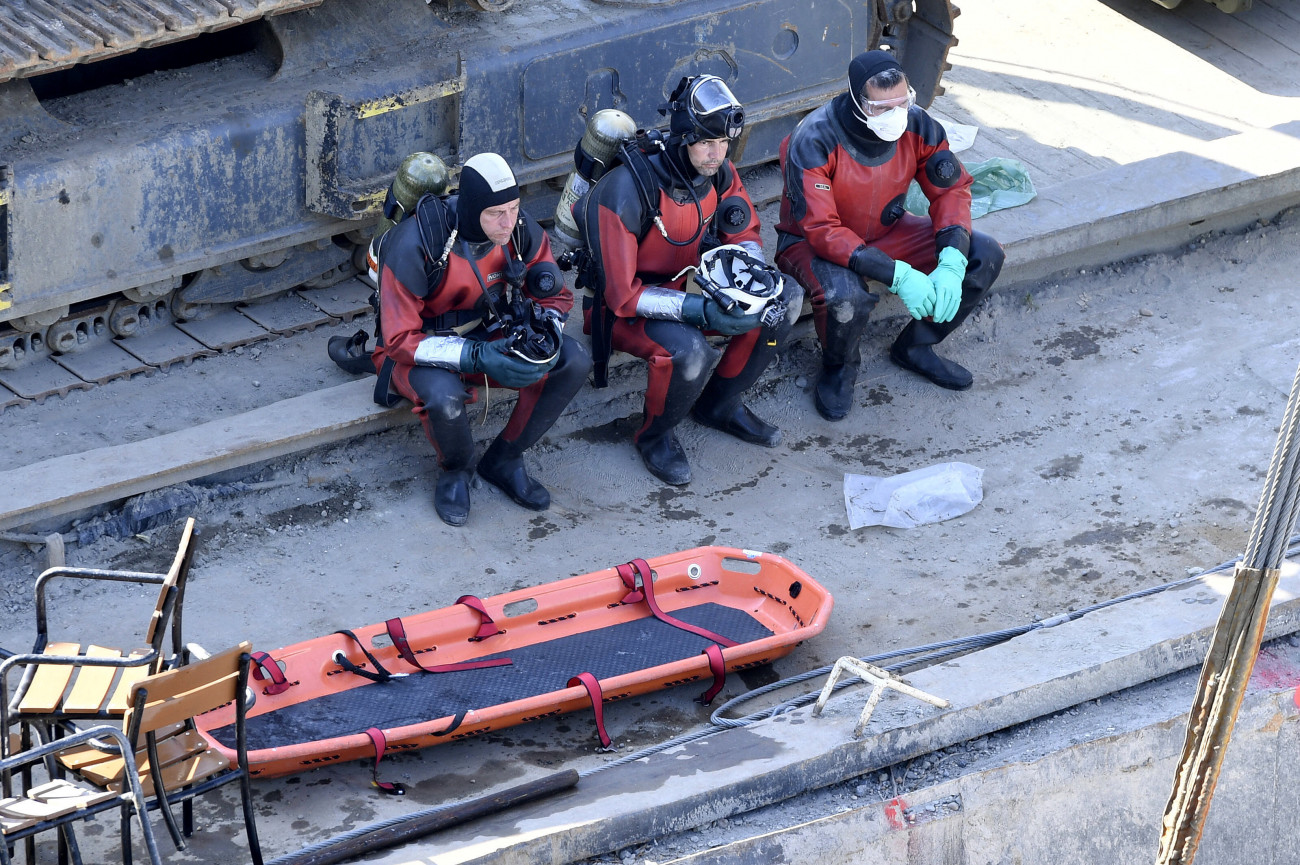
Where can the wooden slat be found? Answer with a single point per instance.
(191, 690)
(177, 775)
(175, 751)
(131, 676)
(93, 685)
(49, 681)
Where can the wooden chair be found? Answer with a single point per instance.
(67, 681)
(59, 803)
(174, 761)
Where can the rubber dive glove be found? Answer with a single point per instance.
(489, 358)
(914, 288)
(706, 314)
(947, 279)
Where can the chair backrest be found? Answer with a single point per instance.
(173, 585)
(179, 694)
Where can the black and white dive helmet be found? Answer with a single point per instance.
(703, 107)
(733, 271)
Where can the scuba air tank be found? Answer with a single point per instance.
(419, 173)
(605, 133)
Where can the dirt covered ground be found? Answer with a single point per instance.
(1124, 419)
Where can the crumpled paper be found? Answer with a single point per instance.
(929, 495)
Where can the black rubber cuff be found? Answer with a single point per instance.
(954, 236)
(872, 263)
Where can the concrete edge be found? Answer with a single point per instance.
(1039, 673)
(1120, 779)
(1149, 206)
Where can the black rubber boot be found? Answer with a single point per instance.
(664, 457)
(445, 423)
(833, 393)
(451, 496)
(503, 467)
(349, 353)
(913, 350)
(719, 407)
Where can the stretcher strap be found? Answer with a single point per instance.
(379, 675)
(268, 670)
(719, 670)
(397, 633)
(588, 681)
(642, 567)
(487, 627)
(451, 728)
(381, 744)
(634, 595)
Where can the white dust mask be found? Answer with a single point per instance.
(891, 125)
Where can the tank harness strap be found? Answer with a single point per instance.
(457, 321)
(380, 674)
(268, 670)
(397, 633)
(487, 627)
(718, 667)
(383, 394)
(597, 697)
(381, 744)
(642, 568)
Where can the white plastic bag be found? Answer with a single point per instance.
(929, 495)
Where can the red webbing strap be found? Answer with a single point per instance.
(588, 681)
(381, 744)
(397, 633)
(487, 627)
(634, 595)
(648, 586)
(719, 670)
(268, 669)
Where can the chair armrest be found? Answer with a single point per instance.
(85, 574)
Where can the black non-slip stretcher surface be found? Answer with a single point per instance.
(539, 669)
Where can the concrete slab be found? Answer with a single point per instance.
(76, 481)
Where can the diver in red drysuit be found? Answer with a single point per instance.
(440, 331)
(639, 263)
(846, 169)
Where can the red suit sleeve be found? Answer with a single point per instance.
(751, 232)
(561, 301)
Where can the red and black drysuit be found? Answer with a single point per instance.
(842, 221)
(631, 254)
(417, 300)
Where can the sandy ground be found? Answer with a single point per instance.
(1124, 420)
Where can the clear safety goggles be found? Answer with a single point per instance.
(877, 107)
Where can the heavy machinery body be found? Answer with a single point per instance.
(197, 154)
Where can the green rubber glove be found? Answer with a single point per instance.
(947, 279)
(704, 313)
(914, 288)
(478, 355)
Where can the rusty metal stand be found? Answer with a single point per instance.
(880, 680)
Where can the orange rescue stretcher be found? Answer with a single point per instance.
(484, 665)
